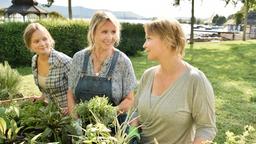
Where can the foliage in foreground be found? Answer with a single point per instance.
(9, 82)
(38, 122)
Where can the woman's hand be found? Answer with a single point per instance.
(37, 98)
(65, 111)
(126, 103)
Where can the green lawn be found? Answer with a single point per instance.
(231, 68)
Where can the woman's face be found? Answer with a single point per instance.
(153, 46)
(40, 43)
(105, 35)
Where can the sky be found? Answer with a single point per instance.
(158, 8)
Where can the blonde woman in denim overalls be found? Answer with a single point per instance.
(101, 69)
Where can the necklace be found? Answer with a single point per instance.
(98, 62)
(99, 59)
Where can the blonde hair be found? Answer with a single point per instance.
(170, 31)
(30, 29)
(97, 19)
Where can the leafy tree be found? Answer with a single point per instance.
(248, 4)
(55, 15)
(176, 3)
(219, 20)
(238, 18)
(215, 18)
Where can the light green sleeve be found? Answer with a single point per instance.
(204, 108)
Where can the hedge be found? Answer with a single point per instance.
(69, 36)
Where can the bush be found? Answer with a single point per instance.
(69, 36)
(9, 82)
(12, 48)
(132, 38)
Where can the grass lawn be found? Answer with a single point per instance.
(231, 68)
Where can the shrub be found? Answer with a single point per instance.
(69, 36)
(132, 38)
(9, 82)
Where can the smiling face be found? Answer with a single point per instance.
(154, 46)
(105, 35)
(40, 43)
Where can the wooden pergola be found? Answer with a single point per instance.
(25, 7)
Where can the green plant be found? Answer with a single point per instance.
(96, 133)
(9, 81)
(9, 133)
(247, 137)
(101, 134)
(48, 120)
(100, 107)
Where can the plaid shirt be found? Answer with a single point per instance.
(57, 79)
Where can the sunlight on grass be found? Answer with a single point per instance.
(28, 87)
(245, 88)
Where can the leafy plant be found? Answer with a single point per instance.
(247, 137)
(124, 132)
(9, 81)
(47, 120)
(96, 133)
(9, 133)
(100, 107)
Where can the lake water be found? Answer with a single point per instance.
(185, 27)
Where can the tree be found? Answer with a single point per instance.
(1, 12)
(50, 2)
(248, 4)
(214, 19)
(219, 20)
(55, 15)
(176, 3)
(238, 18)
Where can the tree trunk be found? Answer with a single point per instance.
(245, 19)
(69, 9)
(192, 24)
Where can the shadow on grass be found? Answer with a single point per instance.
(232, 73)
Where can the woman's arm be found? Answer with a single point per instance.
(71, 101)
(126, 103)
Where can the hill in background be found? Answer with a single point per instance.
(79, 12)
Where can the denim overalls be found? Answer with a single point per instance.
(90, 86)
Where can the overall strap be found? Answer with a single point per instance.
(113, 63)
(86, 61)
